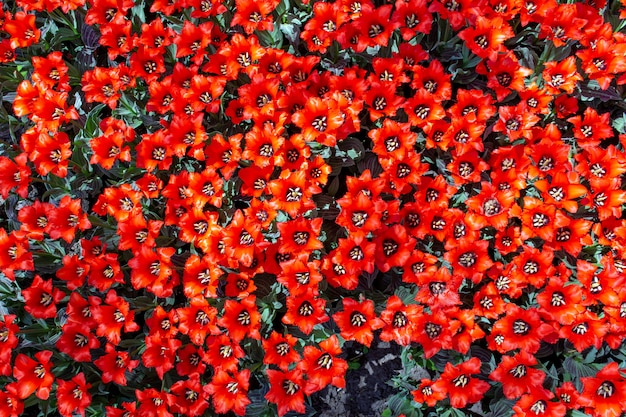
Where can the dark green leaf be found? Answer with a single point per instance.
(90, 37)
(501, 408)
(590, 91)
(370, 162)
(578, 369)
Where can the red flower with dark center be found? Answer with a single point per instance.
(292, 192)
(360, 213)
(33, 375)
(487, 36)
(355, 253)
(163, 322)
(8, 342)
(560, 302)
(300, 276)
(439, 288)
(41, 298)
(286, 390)
(377, 25)
(154, 151)
(10, 404)
(152, 269)
(300, 235)
(381, 100)
(223, 353)
(199, 227)
(160, 354)
(320, 30)
(224, 154)
(241, 319)
(73, 396)
(111, 147)
(319, 120)
(400, 321)
(230, 391)
(393, 247)
(420, 267)
(280, 350)
(14, 253)
(35, 219)
(606, 199)
(458, 382)
(600, 165)
(562, 190)
(243, 239)
(193, 40)
(120, 202)
(605, 393)
(104, 271)
(393, 140)
(67, 219)
(600, 63)
(470, 259)
(190, 397)
(466, 168)
(117, 38)
(585, 331)
(515, 122)
(532, 266)
(434, 332)
(468, 330)
(520, 329)
(114, 365)
(504, 75)
(561, 76)
(573, 236)
(323, 366)
(79, 310)
(200, 277)
(517, 374)
(51, 151)
(592, 128)
(198, 320)
(187, 135)
(113, 316)
(77, 341)
(102, 85)
(153, 402)
(305, 311)
(538, 403)
(433, 79)
(568, 395)
(14, 173)
(357, 321)
(412, 17)
(190, 361)
(425, 394)
(562, 24)
(456, 11)
(488, 302)
(490, 207)
(136, 232)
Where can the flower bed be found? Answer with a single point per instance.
(215, 208)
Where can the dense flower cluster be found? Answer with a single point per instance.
(207, 202)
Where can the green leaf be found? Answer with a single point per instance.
(501, 408)
(258, 404)
(619, 124)
(92, 122)
(63, 35)
(578, 369)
